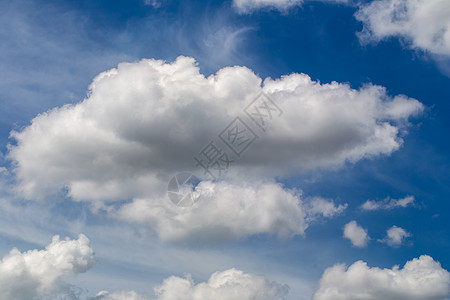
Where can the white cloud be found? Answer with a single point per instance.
(231, 284)
(225, 211)
(247, 6)
(123, 295)
(423, 24)
(317, 206)
(421, 278)
(38, 272)
(356, 234)
(144, 121)
(231, 211)
(154, 3)
(388, 203)
(226, 285)
(395, 236)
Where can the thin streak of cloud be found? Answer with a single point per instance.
(388, 203)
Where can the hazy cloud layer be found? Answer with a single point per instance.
(421, 24)
(231, 284)
(421, 278)
(388, 203)
(39, 272)
(356, 234)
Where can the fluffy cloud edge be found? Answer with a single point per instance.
(145, 120)
(421, 278)
(248, 6)
(357, 235)
(24, 275)
(104, 149)
(395, 236)
(230, 211)
(222, 285)
(422, 25)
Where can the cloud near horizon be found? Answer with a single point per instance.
(420, 24)
(231, 284)
(420, 279)
(38, 274)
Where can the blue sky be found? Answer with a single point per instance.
(366, 121)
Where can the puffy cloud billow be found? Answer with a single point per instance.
(356, 234)
(231, 284)
(423, 24)
(35, 273)
(142, 122)
(395, 236)
(229, 211)
(421, 278)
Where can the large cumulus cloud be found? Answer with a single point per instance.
(35, 273)
(144, 121)
(421, 278)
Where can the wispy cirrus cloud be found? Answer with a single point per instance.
(46, 61)
(317, 207)
(248, 6)
(388, 203)
(419, 25)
